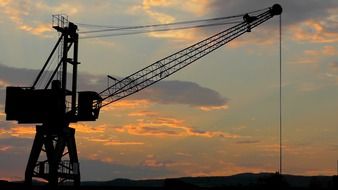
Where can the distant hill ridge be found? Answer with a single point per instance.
(244, 179)
(239, 181)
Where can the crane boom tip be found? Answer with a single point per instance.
(276, 9)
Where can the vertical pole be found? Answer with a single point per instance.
(75, 63)
(64, 62)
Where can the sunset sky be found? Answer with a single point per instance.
(219, 116)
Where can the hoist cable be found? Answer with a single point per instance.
(117, 28)
(158, 30)
(280, 96)
(182, 22)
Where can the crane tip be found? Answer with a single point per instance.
(276, 9)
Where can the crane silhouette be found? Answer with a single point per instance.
(55, 106)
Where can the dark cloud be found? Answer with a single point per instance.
(180, 92)
(97, 170)
(16, 142)
(293, 11)
(165, 92)
(17, 76)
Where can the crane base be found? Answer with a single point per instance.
(56, 146)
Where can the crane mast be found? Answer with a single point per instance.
(48, 107)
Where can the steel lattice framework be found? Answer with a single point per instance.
(171, 64)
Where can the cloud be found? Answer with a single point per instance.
(96, 134)
(127, 104)
(26, 15)
(118, 143)
(180, 92)
(3, 84)
(248, 142)
(169, 127)
(152, 162)
(316, 24)
(108, 171)
(158, 12)
(143, 114)
(164, 92)
(85, 128)
(313, 31)
(12, 129)
(325, 51)
(314, 56)
(22, 131)
(114, 142)
(314, 9)
(212, 108)
(17, 11)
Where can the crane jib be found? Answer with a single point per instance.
(177, 61)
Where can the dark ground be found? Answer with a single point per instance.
(236, 182)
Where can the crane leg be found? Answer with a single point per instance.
(55, 169)
(34, 155)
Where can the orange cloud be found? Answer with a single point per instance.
(117, 142)
(180, 35)
(154, 3)
(325, 51)
(38, 30)
(22, 131)
(212, 108)
(149, 7)
(2, 114)
(142, 114)
(108, 142)
(162, 127)
(305, 60)
(152, 162)
(127, 104)
(197, 7)
(2, 131)
(85, 128)
(18, 12)
(312, 56)
(313, 31)
(3, 84)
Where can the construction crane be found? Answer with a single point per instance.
(55, 106)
